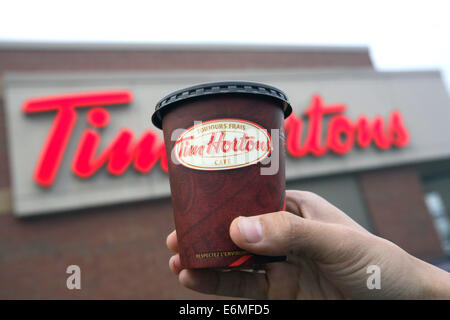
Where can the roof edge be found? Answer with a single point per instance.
(179, 46)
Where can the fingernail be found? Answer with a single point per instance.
(250, 229)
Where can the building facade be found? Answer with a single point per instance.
(113, 224)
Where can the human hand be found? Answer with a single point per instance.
(328, 255)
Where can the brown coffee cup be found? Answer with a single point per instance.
(226, 158)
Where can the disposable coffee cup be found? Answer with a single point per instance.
(226, 158)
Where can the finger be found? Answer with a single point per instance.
(283, 233)
(172, 242)
(311, 206)
(231, 283)
(175, 264)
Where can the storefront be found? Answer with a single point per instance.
(83, 171)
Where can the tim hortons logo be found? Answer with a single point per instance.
(222, 144)
(342, 135)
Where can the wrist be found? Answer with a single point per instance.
(434, 283)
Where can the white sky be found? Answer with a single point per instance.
(400, 34)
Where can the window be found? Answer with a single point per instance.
(440, 216)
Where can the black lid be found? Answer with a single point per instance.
(223, 87)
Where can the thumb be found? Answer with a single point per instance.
(283, 233)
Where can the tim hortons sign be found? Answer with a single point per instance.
(143, 152)
(85, 139)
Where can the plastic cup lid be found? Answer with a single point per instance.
(223, 87)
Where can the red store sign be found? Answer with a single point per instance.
(342, 135)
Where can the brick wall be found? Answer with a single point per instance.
(54, 60)
(395, 200)
(120, 250)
